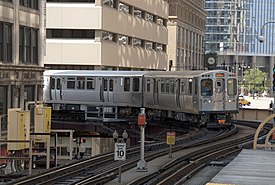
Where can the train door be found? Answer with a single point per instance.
(107, 90)
(56, 90)
(156, 91)
(219, 94)
(178, 93)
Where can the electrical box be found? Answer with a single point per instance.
(18, 128)
(42, 122)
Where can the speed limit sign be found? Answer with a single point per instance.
(120, 151)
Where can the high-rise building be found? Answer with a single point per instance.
(21, 55)
(186, 34)
(107, 34)
(262, 18)
(233, 28)
(226, 26)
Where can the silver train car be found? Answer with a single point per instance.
(198, 96)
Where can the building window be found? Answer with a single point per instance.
(28, 42)
(29, 3)
(106, 35)
(7, 1)
(160, 21)
(160, 47)
(3, 107)
(111, 3)
(137, 42)
(124, 8)
(122, 39)
(70, 33)
(149, 17)
(72, 1)
(137, 13)
(149, 45)
(5, 42)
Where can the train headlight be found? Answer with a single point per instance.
(229, 101)
(209, 101)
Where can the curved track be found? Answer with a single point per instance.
(99, 167)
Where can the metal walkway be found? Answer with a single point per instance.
(250, 167)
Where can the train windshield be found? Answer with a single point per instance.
(206, 87)
(232, 87)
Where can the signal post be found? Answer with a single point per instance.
(142, 165)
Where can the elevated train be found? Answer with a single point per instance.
(198, 96)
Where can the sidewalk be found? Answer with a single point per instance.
(259, 102)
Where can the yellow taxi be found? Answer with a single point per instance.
(243, 102)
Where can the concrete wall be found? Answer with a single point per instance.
(253, 114)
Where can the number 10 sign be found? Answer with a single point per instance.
(120, 151)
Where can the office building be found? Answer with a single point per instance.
(107, 35)
(186, 34)
(21, 55)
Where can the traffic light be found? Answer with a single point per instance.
(83, 140)
(273, 78)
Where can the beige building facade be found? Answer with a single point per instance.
(107, 34)
(21, 56)
(186, 34)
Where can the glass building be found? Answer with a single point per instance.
(262, 16)
(233, 28)
(235, 25)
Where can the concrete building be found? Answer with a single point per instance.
(186, 34)
(108, 34)
(21, 55)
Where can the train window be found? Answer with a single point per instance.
(136, 84)
(190, 82)
(105, 84)
(162, 87)
(70, 83)
(90, 83)
(58, 84)
(148, 85)
(182, 87)
(206, 87)
(155, 86)
(80, 82)
(111, 85)
(167, 86)
(172, 86)
(232, 87)
(126, 84)
(196, 86)
(52, 83)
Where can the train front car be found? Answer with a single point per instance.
(218, 97)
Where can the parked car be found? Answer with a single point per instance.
(243, 101)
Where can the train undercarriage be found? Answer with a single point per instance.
(83, 113)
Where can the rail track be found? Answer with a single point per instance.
(181, 169)
(103, 168)
(199, 148)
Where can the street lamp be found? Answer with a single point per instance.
(261, 39)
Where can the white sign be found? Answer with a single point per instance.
(120, 151)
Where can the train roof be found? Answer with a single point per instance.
(93, 73)
(190, 73)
